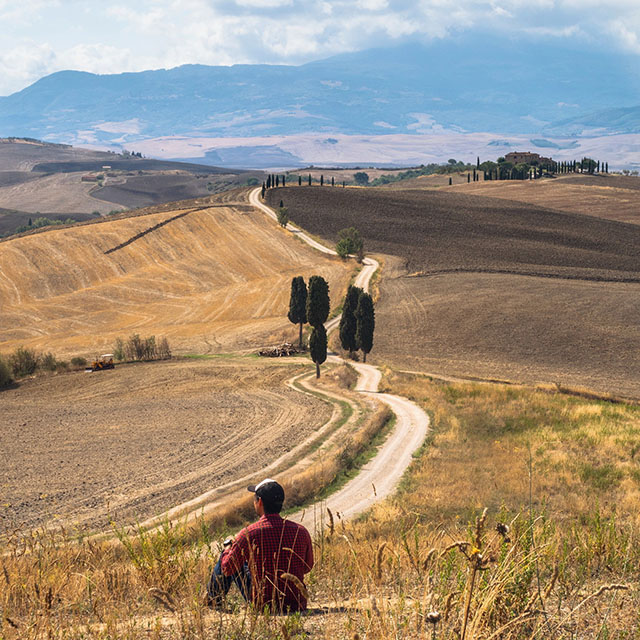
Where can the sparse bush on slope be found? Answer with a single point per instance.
(5, 373)
(24, 362)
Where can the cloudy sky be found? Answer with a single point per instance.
(43, 36)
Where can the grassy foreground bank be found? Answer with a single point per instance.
(554, 556)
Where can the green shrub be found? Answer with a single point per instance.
(5, 373)
(24, 362)
(78, 361)
(350, 241)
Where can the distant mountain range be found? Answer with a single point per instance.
(465, 85)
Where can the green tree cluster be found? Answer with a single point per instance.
(350, 242)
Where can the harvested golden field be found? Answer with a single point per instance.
(209, 279)
(132, 442)
(610, 197)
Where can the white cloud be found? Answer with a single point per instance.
(42, 36)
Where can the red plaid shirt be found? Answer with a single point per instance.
(272, 546)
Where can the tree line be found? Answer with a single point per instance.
(502, 169)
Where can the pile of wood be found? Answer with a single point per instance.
(284, 349)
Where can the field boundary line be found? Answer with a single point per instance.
(155, 227)
(528, 274)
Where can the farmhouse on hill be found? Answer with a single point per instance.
(516, 157)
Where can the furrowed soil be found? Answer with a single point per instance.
(491, 288)
(209, 278)
(129, 443)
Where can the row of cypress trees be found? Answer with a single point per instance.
(312, 305)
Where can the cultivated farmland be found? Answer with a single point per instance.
(130, 443)
(492, 288)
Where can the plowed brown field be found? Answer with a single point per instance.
(137, 440)
(492, 288)
(213, 279)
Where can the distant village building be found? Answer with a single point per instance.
(517, 157)
(89, 177)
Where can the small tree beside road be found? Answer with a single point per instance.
(298, 304)
(318, 305)
(283, 216)
(350, 242)
(317, 301)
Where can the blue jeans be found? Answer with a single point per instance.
(219, 584)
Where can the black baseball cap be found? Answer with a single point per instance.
(269, 490)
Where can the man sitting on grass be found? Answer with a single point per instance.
(267, 560)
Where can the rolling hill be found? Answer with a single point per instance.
(210, 278)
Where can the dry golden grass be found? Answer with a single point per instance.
(559, 562)
(581, 452)
(216, 279)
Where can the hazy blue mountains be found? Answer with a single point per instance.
(473, 85)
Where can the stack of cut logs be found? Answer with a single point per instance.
(285, 349)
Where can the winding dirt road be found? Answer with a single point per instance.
(381, 475)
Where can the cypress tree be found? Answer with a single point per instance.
(283, 182)
(333, 184)
(309, 179)
(348, 324)
(365, 324)
(298, 304)
(317, 301)
(478, 163)
(321, 180)
(277, 181)
(468, 178)
(262, 192)
(269, 182)
(299, 181)
(281, 204)
(318, 346)
(450, 181)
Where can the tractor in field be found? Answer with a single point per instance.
(105, 361)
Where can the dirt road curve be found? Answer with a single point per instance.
(379, 478)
